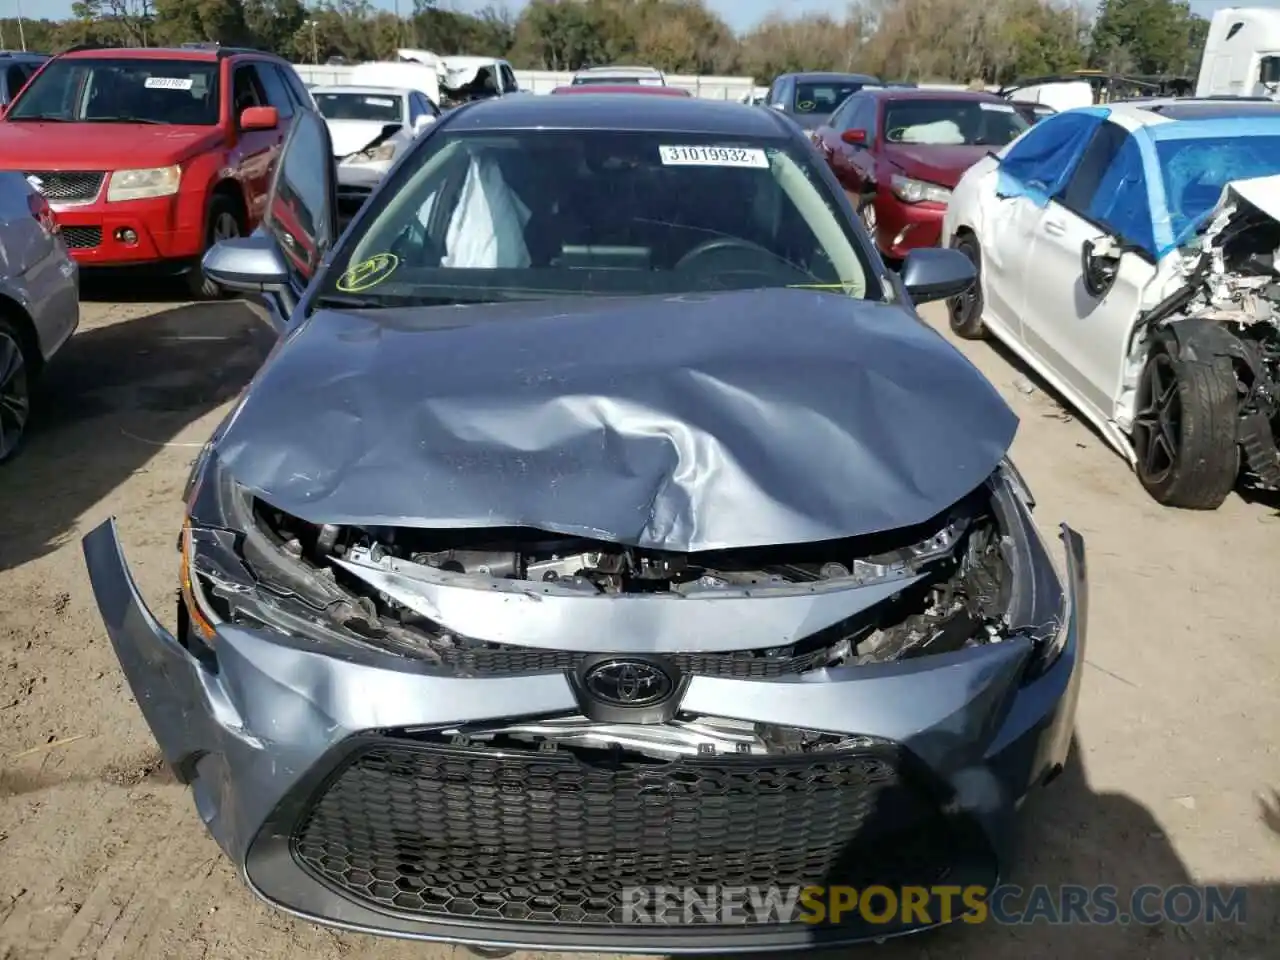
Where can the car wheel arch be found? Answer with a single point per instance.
(233, 190)
(17, 315)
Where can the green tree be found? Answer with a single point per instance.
(274, 23)
(1149, 37)
(211, 21)
(120, 21)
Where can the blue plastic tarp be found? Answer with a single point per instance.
(1041, 161)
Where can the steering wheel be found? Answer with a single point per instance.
(720, 245)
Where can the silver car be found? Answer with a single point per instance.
(593, 537)
(39, 301)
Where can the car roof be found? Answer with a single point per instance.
(916, 93)
(196, 53)
(619, 70)
(587, 89)
(820, 76)
(600, 111)
(369, 89)
(1145, 112)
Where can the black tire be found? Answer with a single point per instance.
(224, 216)
(1185, 428)
(965, 311)
(16, 381)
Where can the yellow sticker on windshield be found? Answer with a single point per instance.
(804, 106)
(368, 273)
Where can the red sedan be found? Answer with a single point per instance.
(662, 91)
(898, 153)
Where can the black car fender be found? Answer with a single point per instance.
(1202, 341)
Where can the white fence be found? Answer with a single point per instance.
(544, 81)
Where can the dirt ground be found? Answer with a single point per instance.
(1175, 775)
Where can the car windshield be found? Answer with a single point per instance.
(953, 122)
(104, 90)
(1195, 171)
(823, 98)
(538, 214)
(378, 107)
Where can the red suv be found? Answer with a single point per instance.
(149, 156)
(899, 152)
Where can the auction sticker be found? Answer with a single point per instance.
(695, 156)
(168, 83)
(368, 273)
(995, 107)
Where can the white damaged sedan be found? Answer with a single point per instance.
(1127, 253)
(370, 127)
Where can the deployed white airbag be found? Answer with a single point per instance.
(938, 133)
(487, 228)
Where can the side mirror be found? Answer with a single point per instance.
(855, 138)
(422, 122)
(250, 264)
(933, 273)
(1099, 265)
(260, 118)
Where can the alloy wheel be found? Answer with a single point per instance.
(15, 399)
(964, 306)
(225, 227)
(1157, 424)
(868, 215)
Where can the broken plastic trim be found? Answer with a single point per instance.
(299, 601)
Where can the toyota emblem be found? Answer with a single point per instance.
(628, 683)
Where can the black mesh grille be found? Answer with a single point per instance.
(81, 237)
(742, 665)
(555, 836)
(66, 186)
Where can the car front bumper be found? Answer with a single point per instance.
(302, 766)
(903, 227)
(356, 182)
(132, 232)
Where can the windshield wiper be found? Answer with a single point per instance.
(41, 118)
(120, 120)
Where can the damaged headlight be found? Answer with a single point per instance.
(1042, 606)
(382, 153)
(909, 190)
(232, 572)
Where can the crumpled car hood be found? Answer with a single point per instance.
(1260, 192)
(682, 423)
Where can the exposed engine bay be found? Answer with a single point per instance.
(1233, 283)
(955, 571)
(938, 587)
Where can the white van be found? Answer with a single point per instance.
(1241, 54)
(411, 76)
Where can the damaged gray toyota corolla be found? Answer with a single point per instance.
(603, 589)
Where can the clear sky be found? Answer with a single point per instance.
(739, 14)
